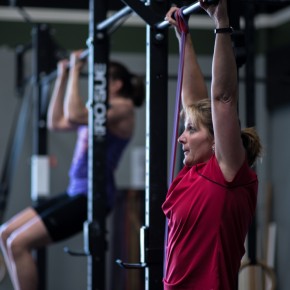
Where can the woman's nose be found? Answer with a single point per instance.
(181, 139)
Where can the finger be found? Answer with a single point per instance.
(170, 16)
(170, 12)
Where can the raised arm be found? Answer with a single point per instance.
(193, 85)
(75, 109)
(229, 149)
(56, 119)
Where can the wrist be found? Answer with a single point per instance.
(224, 30)
(224, 22)
(75, 70)
(62, 76)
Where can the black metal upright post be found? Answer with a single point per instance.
(39, 164)
(152, 233)
(95, 226)
(251, 106)
(156, 147)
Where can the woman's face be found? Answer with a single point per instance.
(196, 143)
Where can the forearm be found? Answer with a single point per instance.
(224, 70)
(55, 113)
(193, 86)
(75, 109)
(193, 83)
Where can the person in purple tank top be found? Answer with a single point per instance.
(63, 215)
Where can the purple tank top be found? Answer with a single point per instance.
(78, 173)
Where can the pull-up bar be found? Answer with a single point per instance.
(127, 11)
(195, 7)
(114, 18)
(111, 21)
(108, 23)
(187, 11)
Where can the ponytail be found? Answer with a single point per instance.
(252, 144)
(133, 86)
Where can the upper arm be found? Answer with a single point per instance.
(229, 148)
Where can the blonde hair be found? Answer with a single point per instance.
(251, 142)
(200, 112)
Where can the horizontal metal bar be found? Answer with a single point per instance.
(114, 18)
(195, 7)
(102, 25)
(188, 10)
(146, 12)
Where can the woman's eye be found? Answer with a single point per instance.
(191, 129)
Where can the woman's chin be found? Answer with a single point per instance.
(187, 163)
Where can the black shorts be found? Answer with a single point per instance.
(63, 215)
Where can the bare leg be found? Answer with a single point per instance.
(19, 237)
(7, 229)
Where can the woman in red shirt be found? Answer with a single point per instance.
(210, 204)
